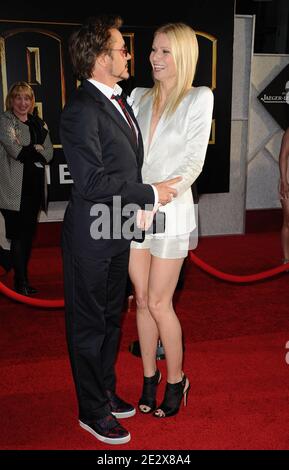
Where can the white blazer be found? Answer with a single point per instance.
(178, 148)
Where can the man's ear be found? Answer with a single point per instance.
(103, 59)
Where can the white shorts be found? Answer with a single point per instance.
(165, 247)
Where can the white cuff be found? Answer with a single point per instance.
(156, 204)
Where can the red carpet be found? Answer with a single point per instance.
(235, 340)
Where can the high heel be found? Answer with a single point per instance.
(149, 391)
(174, 394)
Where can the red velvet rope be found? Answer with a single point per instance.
(233, 277)
(33, 302)
(59, 303)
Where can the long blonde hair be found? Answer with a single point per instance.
(185, 52)
(14, 90)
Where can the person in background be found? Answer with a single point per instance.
(25, 149)
(104, 152)
(175, 121)
(284, 193)
(5, 258)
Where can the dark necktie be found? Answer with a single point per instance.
(123, 105)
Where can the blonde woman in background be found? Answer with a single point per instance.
(25, 149)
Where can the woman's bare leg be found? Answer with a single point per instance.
(163, 278)
(139, 269)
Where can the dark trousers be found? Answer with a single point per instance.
(94, 298)
(20, 250)
(20, 227)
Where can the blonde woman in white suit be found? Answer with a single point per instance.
(175, 120)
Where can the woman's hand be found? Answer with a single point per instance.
(144, 219)
(38, 147)
(284, 190)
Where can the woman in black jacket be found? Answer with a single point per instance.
(25, 149)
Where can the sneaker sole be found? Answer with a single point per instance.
(107, 440)
(125, 414)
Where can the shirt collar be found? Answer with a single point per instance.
(105, 89)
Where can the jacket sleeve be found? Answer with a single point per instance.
(15, 150)
(29, 153)
(47, 151)
(196, 140)
(80, 138)
(8, 138)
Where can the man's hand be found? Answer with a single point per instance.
(165, 191)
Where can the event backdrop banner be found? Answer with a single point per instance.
(36, 50)
(277, 93)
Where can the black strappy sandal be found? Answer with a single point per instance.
(174, 394)
(147, 402)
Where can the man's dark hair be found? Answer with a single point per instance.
(89, 41)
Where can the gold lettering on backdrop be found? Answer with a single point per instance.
(129, 41)
(213, 41)
(33, 65)
(34, 73)
(213, 132)
(3, 70)
(39, 107)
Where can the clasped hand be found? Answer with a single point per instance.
(165, 190)
(166, 194)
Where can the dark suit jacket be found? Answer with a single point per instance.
(104, 161)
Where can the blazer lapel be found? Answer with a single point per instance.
(161, 125)
(144, 118)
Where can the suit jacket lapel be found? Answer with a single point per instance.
(140, 148)
(110, 109)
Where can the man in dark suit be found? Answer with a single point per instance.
(104, 151)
